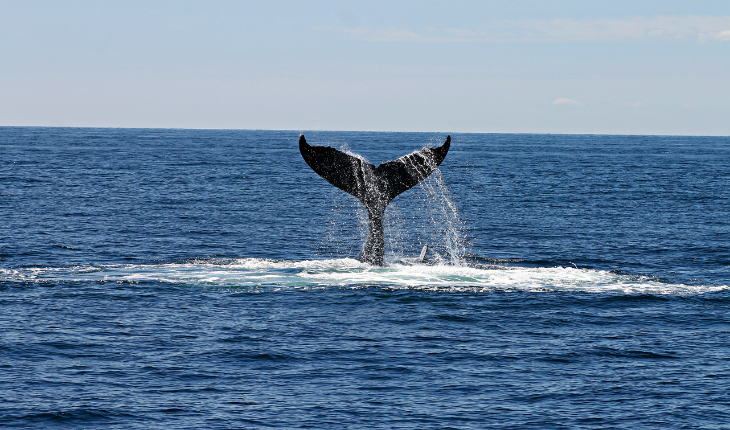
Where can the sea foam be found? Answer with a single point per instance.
(258, 273)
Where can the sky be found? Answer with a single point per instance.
(520, 66)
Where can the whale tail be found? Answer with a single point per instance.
(374, 186)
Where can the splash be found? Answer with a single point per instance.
(433, 217)
(444, 216)
(256, 274)
(426, 215)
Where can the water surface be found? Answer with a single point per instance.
(205, 279)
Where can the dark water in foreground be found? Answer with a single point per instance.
(203, 279)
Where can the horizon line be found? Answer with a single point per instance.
(358, 131)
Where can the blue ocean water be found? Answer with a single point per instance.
(156, 278)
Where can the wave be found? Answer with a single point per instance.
(256, 273)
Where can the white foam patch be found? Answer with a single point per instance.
(254, 273)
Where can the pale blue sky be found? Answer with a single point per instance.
(644, 67)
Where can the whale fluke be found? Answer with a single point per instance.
(374, 186)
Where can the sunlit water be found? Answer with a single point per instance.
(206, 279)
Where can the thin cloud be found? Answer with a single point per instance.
(700, 28)
(723, 35)
(388, 34)
(566, 102)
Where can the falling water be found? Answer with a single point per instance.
(444, 218)
(348, 221)
(426, 214)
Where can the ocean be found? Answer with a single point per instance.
(179, 279)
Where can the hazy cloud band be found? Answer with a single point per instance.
(700, 28)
